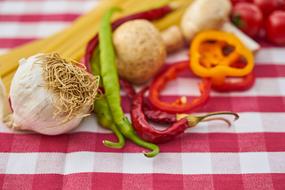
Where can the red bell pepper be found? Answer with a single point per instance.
(181, 105)
(236, 84)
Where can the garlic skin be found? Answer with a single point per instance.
(32, 102)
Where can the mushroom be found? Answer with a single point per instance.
(172, 39)
(140, 50)
(203, 15)
(209, 14)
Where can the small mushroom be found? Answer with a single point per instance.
(172, 39)
(209, 14)
(140, 50)
(203, 15)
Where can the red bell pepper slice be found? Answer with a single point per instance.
(236, 84)
(181, 105)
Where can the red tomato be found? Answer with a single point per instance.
(275, 27)
(268, 6)
(247, 17)
(238, 1)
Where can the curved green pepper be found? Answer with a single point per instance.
(110, 79)
(102, 110)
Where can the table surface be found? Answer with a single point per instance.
(249, 155)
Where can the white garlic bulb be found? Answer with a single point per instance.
(38, 94)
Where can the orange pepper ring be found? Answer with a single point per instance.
(212, 53)
(220, 71)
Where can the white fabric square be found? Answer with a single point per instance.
(137, 163)
(79, 162)
(12, 7)
(277, 162)
(167, 163)
(22, 163)
(196, 163)
(50, 163)
(254, 162)
(249, 122)
(108, 162)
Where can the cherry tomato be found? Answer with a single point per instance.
(247, 17)
(238, 1)
(275, 27)
(268, 6)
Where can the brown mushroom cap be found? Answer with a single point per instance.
(140, 50)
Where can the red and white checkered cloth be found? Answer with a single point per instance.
(250, 155)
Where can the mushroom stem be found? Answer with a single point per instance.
(172, 39)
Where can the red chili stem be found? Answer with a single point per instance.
(153, 14)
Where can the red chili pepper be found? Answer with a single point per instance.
(160, 116)
(181, 105)
(153, 14)
(151, 114)
(157, 116)
(242, 84)
(128, 88)
(149, 133)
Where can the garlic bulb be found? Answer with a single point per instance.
(51, 95)
(2, 100)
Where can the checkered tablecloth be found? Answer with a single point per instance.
(249, 155)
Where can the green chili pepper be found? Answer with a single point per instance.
(105, 119)
(103, 113)
(111, 85)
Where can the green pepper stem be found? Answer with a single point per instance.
(120, 137)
